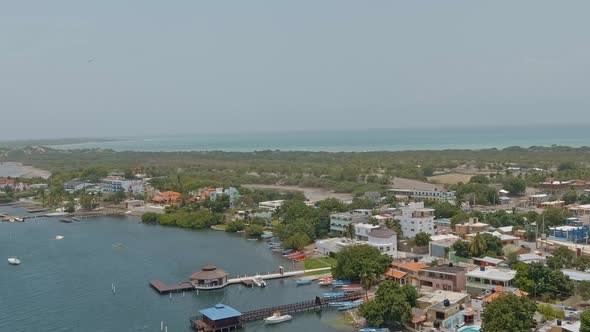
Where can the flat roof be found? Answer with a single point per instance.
(493, 274)
(220, 311)
(445, 269)
(577, 275)
(489, 260)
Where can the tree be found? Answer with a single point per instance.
(296, 241)
(493, 245)
(349, 231)
(549, 313)
(354, 260)
(585, 318)
(391, 306)
(479, 179)
(118, 196)
(515, 186)
(583, 289)
(445, 210)
(538, 279)
(509, 313)
(478, 246)
(570, 197)
(461, 249)
(235, 226)
(422, 239)
(582, 263)
(255, 230)
(566, 256)
(368, 279)
(150, 218)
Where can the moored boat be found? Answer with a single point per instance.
(303, 282)
(277, 318)
(374, 329)
(13, 261)
(59, 237)
(333, 295)
(266, 235)
(339, 283)
(327, 281)
(288, 251)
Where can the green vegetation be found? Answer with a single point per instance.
(235, 226)
(392, 305)
(316, 263)
(483, 244)
(585, 318)
(421, 239)
(540, 280)
(509, 313)
(254, 230)
(549, 313)
(354, 261)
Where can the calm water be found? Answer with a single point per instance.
(66, 285)
(359, 140)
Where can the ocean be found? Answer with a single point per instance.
(65, 285)
(354, 140)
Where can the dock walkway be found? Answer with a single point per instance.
(276, 275)
(162, 288)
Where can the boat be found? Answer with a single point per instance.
(266, 236)
(374, 329)
(67, 221)
(352, 305)
(277, 249)
(252, 239)
(277, 318)
(327, 281)
(339, 283)
(59, 237)
(339, 303)
(13, 261)
(333, 295)
(298, 258)
(288, 251)
(303, 282)
(55, 214)
(76, 219)
(293, 254)
(258, 281)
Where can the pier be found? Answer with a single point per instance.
(257, 314)
(246, 280)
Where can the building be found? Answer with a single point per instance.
(488, 261)
(112, 184)
(15, 185)
(440, 245)
(579, 210)
(220, 318)
(437, 195)
(412, 269)
(415, 218)
(271, 205)
(361, 231)
(230, 192)
(487, 278)
(332, 245)
(383, 239)
(537, 199)
(448, 315)
(167, 197)
(133, 203)
(479, 302)
(471, 226)
(75, 185)
(531, 258)
(210, 277)
(446, 277)
(339, 221)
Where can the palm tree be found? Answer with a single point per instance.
(349, 231)
(368, 279)
(478, 246)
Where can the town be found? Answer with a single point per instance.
(425, 256)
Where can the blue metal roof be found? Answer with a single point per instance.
(220, 311)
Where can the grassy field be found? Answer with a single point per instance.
(316, 263)
(452, 178)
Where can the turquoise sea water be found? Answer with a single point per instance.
(357, 140)
(65, 285)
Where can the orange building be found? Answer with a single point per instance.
(167, 197)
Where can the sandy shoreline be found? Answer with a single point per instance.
(314, 194)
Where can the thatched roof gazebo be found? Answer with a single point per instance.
(209, 277)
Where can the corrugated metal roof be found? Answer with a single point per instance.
(220, 311)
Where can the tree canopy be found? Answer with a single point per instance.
(392, 304)
(355, 260)
(509, 313)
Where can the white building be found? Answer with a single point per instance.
(487, 278)
(436, 194)
(271, 205)
(339, 221)
(384, 239)
(113, 184)
(416, 218)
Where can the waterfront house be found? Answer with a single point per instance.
(487, 278)
(231, 192)
(210, 277)
(397, 276)
(339, 221)
(382, 238)
(112, 184)
(446, 277)
(167, 197)
(75, 185)
(415, 218)
(220, 318)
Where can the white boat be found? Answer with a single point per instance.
(277, 318)
(59, 237)
(258, 281)
(13, 261)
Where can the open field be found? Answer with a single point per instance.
(451, 178)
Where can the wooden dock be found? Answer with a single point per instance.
(258, 314)
(162, 288)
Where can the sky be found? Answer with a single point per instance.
(132, 68)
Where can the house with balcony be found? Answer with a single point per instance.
(411, 269)
(415, 218)
(446, 277)
(339, 221)
(487, 278)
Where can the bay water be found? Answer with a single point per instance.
(65, 285)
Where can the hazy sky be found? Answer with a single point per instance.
(104, 68)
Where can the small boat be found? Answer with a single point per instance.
(277, 318)
(298, 258)
(266, 236)
(352, 305)
(277, 250)
(374, 329)
(59, 237)
(303, 282)
(288, 251)
(327, 281)
(13, 261)
(76, 219)
(118, 245)
(293, 254)
(340, 303)
(334, 295)
(67, 221)
(258, 281)
(252, 239)
(339, 283)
